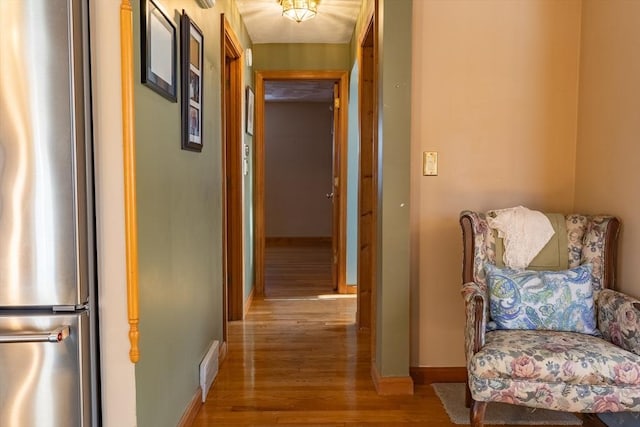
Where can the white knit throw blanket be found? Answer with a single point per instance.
(524, 232)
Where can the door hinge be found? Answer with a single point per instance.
(336, 103)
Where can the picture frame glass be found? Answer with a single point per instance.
(158, 50)
(192, 71)
(161, 47)
(195, 86)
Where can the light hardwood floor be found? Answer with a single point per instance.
(298, 359)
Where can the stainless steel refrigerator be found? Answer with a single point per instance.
(48, 322)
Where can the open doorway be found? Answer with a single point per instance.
(331, 191)
(367, 177)
(298, 189)
(232, 212)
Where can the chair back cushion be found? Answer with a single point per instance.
(553, 256)
(590, 239)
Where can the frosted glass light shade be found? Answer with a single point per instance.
(299, 10)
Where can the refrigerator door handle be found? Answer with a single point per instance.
(54, 336)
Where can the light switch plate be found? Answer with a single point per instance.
(430, 163)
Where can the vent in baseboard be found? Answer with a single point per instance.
(208, 369)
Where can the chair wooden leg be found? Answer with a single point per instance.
(467, 395)
(476, 413)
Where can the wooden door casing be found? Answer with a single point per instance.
(232, 212)
(342, 77)
(367, 180)
(335, 189)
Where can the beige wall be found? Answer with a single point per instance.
(118, 384)
(298, 162)
(298, 147)
(495, 93)
(608, 165)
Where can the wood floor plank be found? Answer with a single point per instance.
(299, 360)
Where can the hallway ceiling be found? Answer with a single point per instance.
(334, 22)
(298, 91)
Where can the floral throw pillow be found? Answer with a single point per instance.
(544, 300)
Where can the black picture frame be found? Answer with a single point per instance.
(191, 72)
(158, 50)
(250, 104)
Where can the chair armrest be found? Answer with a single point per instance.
(475, 299)
(619, 319)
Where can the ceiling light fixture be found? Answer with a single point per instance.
(299, 10)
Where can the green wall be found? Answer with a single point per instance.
(179, 223)
(301, 56)
(353, 146)
(249, 264)
(249, 259)
(394, 141)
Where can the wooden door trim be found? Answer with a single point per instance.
(368, 26)
(337, 194)
(232, 241)
(367, 39)
(259, 245)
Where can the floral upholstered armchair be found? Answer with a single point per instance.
(568, 342)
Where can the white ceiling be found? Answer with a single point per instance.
(334, 22)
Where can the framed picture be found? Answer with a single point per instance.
(191, 68)
(158, 50)
(250, 109)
